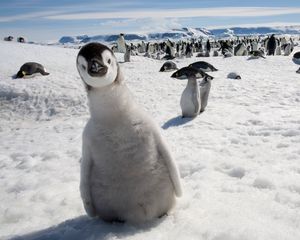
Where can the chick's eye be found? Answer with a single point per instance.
(84, 68)
(109, 61)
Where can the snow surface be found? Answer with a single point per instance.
(239, 160)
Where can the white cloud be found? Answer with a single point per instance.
(145, 24)
(65, 14)
(180, 13)
(251, 25)
(29, 16)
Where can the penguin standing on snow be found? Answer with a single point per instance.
(239, 49)
(271, 45)
(188, 51)
(190, 101)
(127, 171)
(205, 86)
(208, 47)
(121, 43)
(127, 54)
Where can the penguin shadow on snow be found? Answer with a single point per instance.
(176, 121)
(84, 227)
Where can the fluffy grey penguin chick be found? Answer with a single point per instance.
(190, 101)
(127, 170)
(233, 75)
(127, 54)
(205, 86)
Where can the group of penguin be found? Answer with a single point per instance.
(255, 47)
(193, 101)
(195, 96)
(11, 38)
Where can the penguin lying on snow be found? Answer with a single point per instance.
(204, 66)
(185, 72)
(168, 66)
(256, 54)
(30, 68)
(227, 54)
(296, 60)
(234, 75)
(127, 170)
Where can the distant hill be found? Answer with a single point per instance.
(184, 33)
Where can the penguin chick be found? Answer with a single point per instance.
(127, 170)
(233, 75)
(190, 101)
(205, 86)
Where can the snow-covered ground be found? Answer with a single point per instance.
(239, 160)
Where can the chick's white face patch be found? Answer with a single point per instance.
(97, 82)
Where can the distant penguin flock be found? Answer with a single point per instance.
(247, 46)
(11, 38)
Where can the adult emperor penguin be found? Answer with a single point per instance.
(31, 68)
(204, 66)
(271, 45)
(168, 66)
(127, 171)
(121, 43)
(239, 49)
(9, 38)
(256, 54)
(296, 60)
(185, 72)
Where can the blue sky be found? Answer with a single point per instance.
(42, 20)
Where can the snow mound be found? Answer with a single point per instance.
(40, 97)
